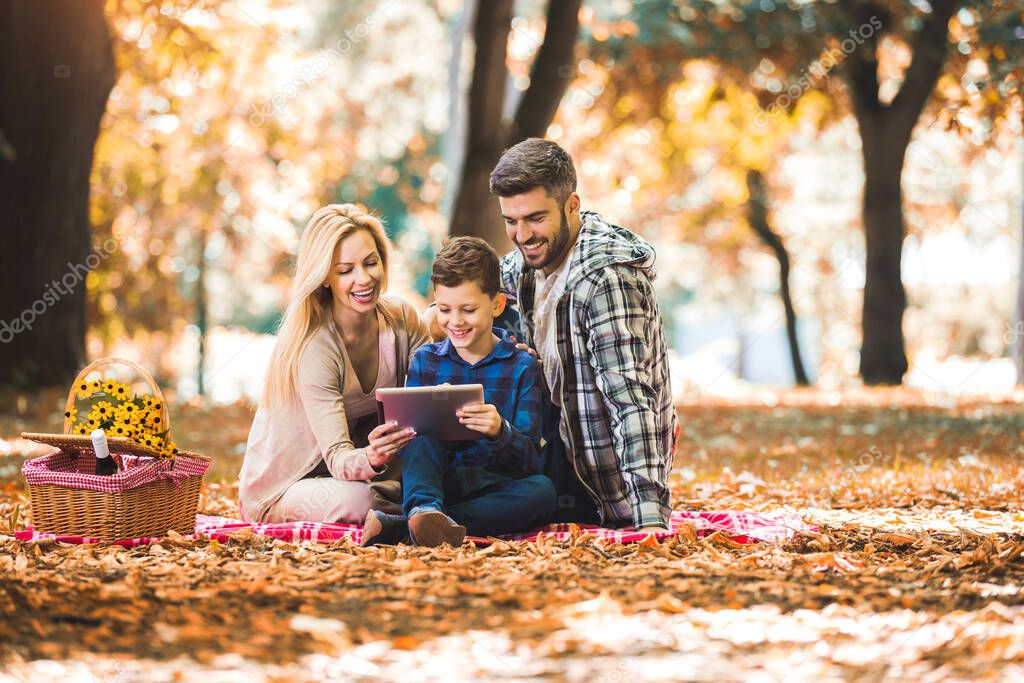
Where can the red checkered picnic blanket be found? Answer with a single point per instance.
(741, 526)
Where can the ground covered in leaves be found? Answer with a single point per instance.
(915, 572)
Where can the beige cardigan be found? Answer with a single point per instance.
(287, 444)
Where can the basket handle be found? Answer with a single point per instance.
(165, 414)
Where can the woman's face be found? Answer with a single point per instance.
(356, 273)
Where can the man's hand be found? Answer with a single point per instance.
(652, 530)
(524, 347)
(481, 417)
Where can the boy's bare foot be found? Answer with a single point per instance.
(382, 529)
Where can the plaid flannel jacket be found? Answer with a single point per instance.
(512, 381)
(617, 403)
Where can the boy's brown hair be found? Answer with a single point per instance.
(467, 259)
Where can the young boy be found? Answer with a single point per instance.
(492, 485)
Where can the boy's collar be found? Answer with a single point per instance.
(502, 349)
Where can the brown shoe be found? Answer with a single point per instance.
(431, 528)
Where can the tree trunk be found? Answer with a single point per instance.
(885, 131)
(455, 137)
(201, 317)
(757, 217)
(883, 359)
(1018, 330)
(56, 71)
(475, 212)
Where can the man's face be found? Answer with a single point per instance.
(537, 225)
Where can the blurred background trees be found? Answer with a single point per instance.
(889, 56)
(782, 156)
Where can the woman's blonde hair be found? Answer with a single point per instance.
(309, 305)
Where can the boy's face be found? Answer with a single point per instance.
(466, 314)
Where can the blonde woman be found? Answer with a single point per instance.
(315, 451)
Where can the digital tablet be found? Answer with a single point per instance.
(430, 410)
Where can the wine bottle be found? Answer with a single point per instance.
(105, 465)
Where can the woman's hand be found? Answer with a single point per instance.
(430, 318)
(481, 417)
(385, 442)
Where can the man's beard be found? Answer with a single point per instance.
(555, 247)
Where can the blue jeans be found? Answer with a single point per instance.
(485, 501)
(574, 503)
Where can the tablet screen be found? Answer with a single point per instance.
(430, 410)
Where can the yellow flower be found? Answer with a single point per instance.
(104, 410)
(92, 423)
(70, 414)
(170, 448)
(121, 391)
(95, 386)
(82, 390)
(128, 413)
(82, 430)
(120, 429)
(148, 401)
(109, 386)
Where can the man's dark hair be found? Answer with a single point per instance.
(467, 259)
(534, 163)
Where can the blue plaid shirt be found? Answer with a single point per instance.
(513, 384)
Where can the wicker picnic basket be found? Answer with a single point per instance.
(149, 496)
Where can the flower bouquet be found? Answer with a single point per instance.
(120, 413)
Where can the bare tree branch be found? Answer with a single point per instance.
(930, 48)
(491, 27)
(861, 66)
(552, 70)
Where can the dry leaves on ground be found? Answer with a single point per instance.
(915, 571)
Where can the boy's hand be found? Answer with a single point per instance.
(481, 417)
